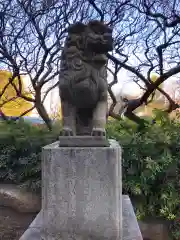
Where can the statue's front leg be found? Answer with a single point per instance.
(99, 119)
(69, 119)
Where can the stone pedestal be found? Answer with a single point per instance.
(81, 194)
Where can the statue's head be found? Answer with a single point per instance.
(96, 36)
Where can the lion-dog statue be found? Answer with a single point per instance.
(83, 79)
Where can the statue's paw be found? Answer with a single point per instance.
(98, 132)
(66, 132)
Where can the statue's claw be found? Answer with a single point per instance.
(66, 132)
(99, 132)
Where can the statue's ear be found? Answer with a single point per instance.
(76, 28)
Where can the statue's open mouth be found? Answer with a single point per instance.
(101, 46)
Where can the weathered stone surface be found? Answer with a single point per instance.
(83, 141)
(81, 194)
(19, 199)
(82, 189)
(131, 230)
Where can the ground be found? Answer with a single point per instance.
(13, 224)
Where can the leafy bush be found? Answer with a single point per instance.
(20, 152)
(151, 168)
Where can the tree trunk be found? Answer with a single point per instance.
(44, 115)
(42, 111)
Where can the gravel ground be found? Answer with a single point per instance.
(13, 224)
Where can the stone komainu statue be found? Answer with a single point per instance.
(83, 79)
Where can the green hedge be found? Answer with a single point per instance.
(151, 168)
(20, 150)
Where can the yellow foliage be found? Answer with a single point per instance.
(110, 118)
(154, 77)
(14, 106)
(59, 113)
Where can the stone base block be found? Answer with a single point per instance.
(83, 141)
(82, 190)
(131, 231)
